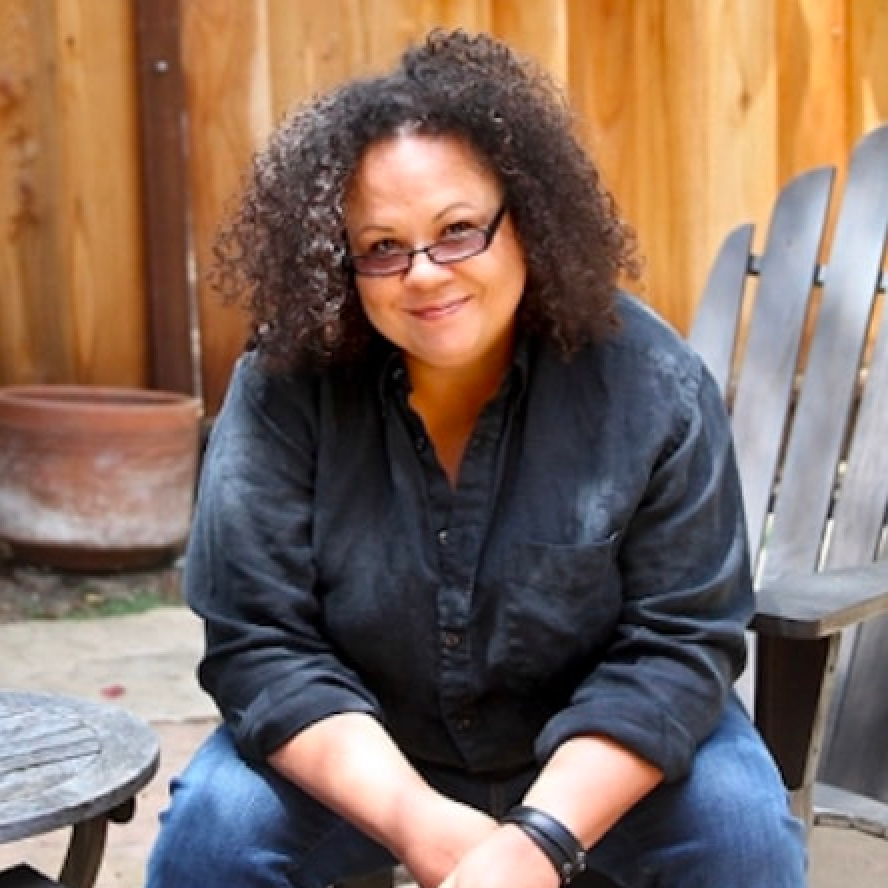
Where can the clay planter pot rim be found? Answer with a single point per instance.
(73, 407)
(92, 398)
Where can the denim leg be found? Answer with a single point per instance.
(727, 824)
(230, 823)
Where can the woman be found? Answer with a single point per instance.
(469, 545)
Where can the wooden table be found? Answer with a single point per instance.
(66, 762)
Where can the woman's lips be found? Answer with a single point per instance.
(439, 309)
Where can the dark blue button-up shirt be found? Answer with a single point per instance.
(588, 573)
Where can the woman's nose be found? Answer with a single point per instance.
(425, 271)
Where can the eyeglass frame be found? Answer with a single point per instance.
(488, 233)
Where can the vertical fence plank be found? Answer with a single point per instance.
(98, 198)
(671, 140)
(314, 46)
(34, 344)
(471, 15)
(867, 24)
(229, 98)
(812, 47)
(387, 26)
(678, 99)
(733, 177)
(701, 95)
(166, 198)
(16, 191)
(539, 29)
(72, 241)
(601, 46)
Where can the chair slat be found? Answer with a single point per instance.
(765, 382)
(859, 513)
(855, 757)
(815, 444)
(714, 331)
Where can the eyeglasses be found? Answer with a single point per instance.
(453, 248)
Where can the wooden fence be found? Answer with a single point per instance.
(125, 124)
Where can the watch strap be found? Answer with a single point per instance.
(552, 837)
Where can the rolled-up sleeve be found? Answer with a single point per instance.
(660, 688)
(250, 571)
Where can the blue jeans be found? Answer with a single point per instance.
(727, 824)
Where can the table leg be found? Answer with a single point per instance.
(81, 866)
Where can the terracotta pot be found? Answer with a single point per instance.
(96, 478)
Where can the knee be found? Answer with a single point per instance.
(742, 831)
(729, 821)
(756, 841)
(220, 811)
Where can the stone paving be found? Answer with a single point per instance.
(146, 663)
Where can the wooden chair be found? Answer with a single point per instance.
(801, 359)
(808, 392)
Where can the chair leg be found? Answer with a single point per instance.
(793, 691)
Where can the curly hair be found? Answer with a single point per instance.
(281, 254)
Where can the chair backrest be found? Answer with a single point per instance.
(801, 355)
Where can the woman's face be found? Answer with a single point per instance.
(413, 191)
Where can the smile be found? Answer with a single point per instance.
(438, 310)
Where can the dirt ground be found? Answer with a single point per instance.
(29, 593)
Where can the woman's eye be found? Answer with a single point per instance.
(383, 247)
(457, 229)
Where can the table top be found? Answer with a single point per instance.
(65, 760)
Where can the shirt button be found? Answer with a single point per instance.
(420, 444)
(442, 537)
(467, 722)
(452, 639)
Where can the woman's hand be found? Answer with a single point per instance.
(438, 835)
(584, 768)
(507, 858)
(349, 763)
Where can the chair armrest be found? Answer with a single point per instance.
(820, 604)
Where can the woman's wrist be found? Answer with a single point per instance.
(553, 838)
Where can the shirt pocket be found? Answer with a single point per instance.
(558, 606)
